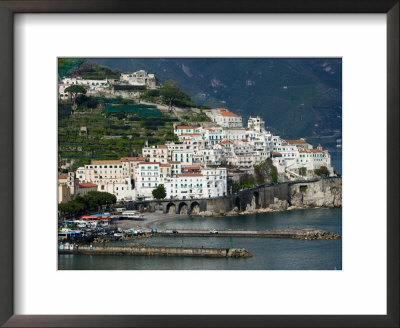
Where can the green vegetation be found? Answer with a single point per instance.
(322, 172)
(159, 192)
(92, 201)
(303, 189)
(266, 172)
(67, 65)
(116, 127)
(118, 100)
(75, 90)
(172, 96)
(110, 135)
(303, 171)
(296, 96)
(169, 94)
(84, 102)
(140, 110)
(86, 69)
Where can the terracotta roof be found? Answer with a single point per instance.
(161, 146)
(150, 163)
(87, 185)
(296, 141)
(192, 168)
(274, 153)
(222, 109)
(223, 142)
(62, 176)
(165, 165)
(106, 162)
(228, 114)
(190, 175)
(316, 151)
(186, 127)
(132, 159)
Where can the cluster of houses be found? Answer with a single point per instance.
(200, 164)
(127, 85)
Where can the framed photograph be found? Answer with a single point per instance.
(183, 165)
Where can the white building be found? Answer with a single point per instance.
(224, 118)
(112, 176)
(140, 78)
(148, 178)
(256, 123)
(157, 153)
(204, 183)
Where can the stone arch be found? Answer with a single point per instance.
(195, 208)
(183, 208)
(237, 203)
(171, 208)
(256, 197)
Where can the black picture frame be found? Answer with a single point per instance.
(10, 7)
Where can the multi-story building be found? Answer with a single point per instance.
(148, 178)
(112, 176)
(224, 118)
(256, 123)
(186, 129)
(197, 183)
(157, 153)
(140, 78)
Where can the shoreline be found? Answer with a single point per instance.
(154, 218)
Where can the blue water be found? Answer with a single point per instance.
(270, 254)
(336, 161)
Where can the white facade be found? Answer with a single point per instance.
(157, 153)
(110, 176)
(206, 183)
(148, 178)
(256, 123)
(140, 78)
(224, 118)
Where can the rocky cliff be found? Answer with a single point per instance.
(322, 193)
(292, 195)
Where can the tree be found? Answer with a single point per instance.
(303, 171)
(172, 96)
(159, 192)
(88, 102)
(74, 90)
(266, 172)
(322, 172)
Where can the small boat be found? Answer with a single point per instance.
(131, 215)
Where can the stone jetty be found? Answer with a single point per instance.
(155, 251)
(306, 234)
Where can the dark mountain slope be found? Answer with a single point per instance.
(296, 97)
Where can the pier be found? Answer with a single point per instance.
(156, 251)
(306, 234)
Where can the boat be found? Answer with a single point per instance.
(131, 215)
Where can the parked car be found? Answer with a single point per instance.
(153, 230)
(174, 231)
(213, 231)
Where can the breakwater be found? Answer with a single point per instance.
(306, 234)
(156, 251)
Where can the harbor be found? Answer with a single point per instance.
(269, 253)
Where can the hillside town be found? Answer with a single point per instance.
(208, 158)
